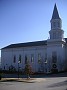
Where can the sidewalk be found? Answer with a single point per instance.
(31, 80)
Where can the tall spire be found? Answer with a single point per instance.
(55, 13)
(56, 31)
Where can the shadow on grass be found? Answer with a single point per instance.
(8, 80)
(18, 80)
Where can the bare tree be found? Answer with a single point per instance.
(28, 70)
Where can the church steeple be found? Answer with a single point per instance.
(56, 31)
(56, 22)
(55, 13)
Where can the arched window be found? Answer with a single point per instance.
(14, 59)
(54, 24)
(39, 57)
(54, 57)
(25, 59)
(20, 58)
(54, 35)
(32, 58)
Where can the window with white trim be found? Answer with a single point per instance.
(14, 59)
(32, 58)
(20, 58)
(39, 57)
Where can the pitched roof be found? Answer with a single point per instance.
(55, 14)
(28, 44)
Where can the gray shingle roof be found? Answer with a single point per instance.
(28, 44)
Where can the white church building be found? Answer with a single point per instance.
(43, 56)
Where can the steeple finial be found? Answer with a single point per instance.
(55, 13)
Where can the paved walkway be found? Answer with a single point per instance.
(53, 83)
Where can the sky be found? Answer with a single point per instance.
(28, 20)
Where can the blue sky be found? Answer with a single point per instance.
(28, 20)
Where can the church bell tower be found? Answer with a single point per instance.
(56, 43)
(56, 31)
